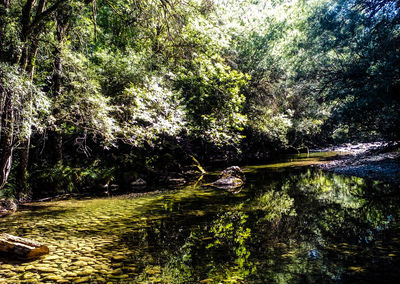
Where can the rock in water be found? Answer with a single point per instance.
(176, 181)
(230, 178)
(7, 207)
(21, 248)
(233, 171)
(139, 183)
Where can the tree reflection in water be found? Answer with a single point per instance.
(287, 225)
(305, 226)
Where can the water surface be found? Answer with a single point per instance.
(290, 223)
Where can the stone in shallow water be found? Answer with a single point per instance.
(118, 264)
(11, 274)
(118, 257)
(100, 267)
(80, 263)
(69, 274)
(100, 279)
(7, 266)
(53, 277)
(20, 269)
(51, 257)
(29, 275)
(46, 269)
(86, 272)
(82, 280)
(32, 280)
(117, 271)
(130, 268)
(87, 259)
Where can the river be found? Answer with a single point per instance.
(290, 223)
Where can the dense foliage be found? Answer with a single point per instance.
(97, 90)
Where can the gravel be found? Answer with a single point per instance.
(377, 161)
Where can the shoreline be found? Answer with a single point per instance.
(376, 161)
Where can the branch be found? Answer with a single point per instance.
(40, 17)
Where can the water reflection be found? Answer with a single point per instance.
(289, 224)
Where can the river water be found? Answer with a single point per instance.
(290, 223)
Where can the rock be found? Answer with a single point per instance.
(229, 182)
(130, 268)
(139, 183)
(28, 275)
(80, 263)
(46, 269)
(176, 181)
(118, 257)
(100, 279)
(114, 187)
(52, 257)
(82, 280)
(233, 171)
(7, 207)
(53, 277)
(7, 266)
(86, 272)
(232, 177)
(11, 274)
(117, 271)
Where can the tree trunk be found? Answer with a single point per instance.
(21, 248)
(7, 133)
(22, 174)
(62, 24)
(28, 64)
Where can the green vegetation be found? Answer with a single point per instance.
(101, 90)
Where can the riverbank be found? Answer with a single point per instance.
(376, 161)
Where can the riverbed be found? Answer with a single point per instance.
(290, 223)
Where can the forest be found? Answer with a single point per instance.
(100, 91)
(117, 117)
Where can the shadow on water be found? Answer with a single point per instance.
(289, 224)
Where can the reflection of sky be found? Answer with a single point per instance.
(313, 254)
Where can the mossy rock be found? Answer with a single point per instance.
(232, 177)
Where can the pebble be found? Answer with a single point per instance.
(11, 274)
(28, 267)
(118, 257)
(53, 278)
(80, 263)
(100, 267)
(29, 275)
(52, 257)
(69, 274)
(100, 279)
(46, 269)
(82, 280)
(130, 269)
(32, 280)
(86, 272)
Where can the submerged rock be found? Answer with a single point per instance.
(230, 178)
(7, 207)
